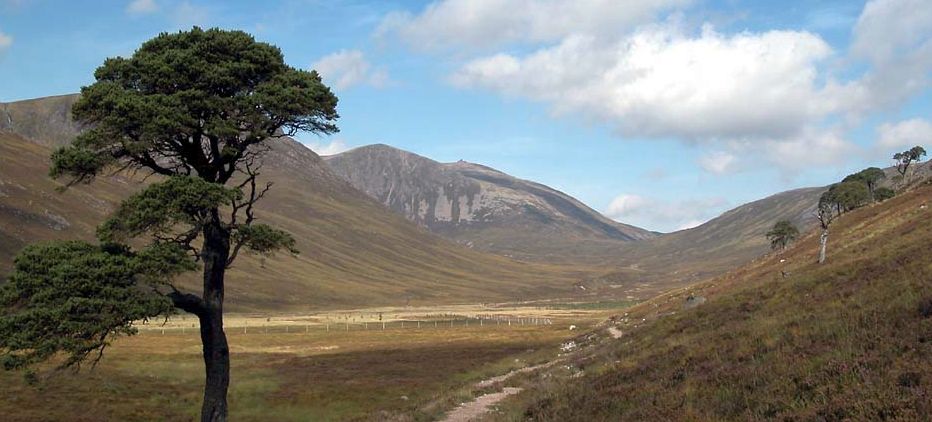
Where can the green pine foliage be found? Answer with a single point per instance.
(73, 298)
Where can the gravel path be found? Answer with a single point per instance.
(473, 410)
(614, 332)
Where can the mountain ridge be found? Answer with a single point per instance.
(353, 252)
(478, 205)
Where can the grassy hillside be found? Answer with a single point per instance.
(353, 252)
(847, 340)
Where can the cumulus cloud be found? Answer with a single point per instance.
(904, 134)
(142, 7)
(895, 37)
(489, 23)
(659, 82)
(348, 68)
(718, 162)
(5, 41)
(890, 28)
(188, 14)
(664, 215)
(326, 148)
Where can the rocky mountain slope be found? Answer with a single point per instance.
(479, 206)
(353, 253)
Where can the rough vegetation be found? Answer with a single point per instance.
(846, 340)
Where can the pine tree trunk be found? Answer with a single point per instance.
(823, 241)
(215, 252)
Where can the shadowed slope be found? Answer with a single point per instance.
(353, 252)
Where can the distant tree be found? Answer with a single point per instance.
(846, 196)
(905, 158)
(883, 194)
(870, 177)
(197, 108)
(826, 212)
(782, 234)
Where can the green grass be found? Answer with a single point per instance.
(847, 340)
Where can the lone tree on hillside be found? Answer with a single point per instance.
(837, 200)
(198, 108)
(782, 234)
(825, 212)
(905, 158)
(870, 177)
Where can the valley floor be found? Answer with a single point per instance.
(341, 365)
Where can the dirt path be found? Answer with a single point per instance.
(473, 410)
(614, 332)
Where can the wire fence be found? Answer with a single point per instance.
(337, 325)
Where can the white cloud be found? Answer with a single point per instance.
(624, 205)
(489, 23)
(718, 162)
(889, 28)
(664, 215)
(142, 7)
(348, 68)
(326, 148)
(904, 134)
(895, 37)
(658, 82)
(5, 41)
(188, 14)
(812, 148)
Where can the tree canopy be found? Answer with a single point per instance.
(782, 234)
(198, 109)
(869, 176)
(905, 158)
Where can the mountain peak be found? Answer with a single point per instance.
(478, 205)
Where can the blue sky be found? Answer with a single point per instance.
(659, 113)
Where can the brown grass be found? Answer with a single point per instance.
(397, 374)
(847, 340)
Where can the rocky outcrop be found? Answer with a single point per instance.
(475, 204)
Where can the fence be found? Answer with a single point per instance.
(350, 325)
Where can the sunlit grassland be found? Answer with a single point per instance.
(847, 340)
(305, 374)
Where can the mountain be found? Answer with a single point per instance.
(481, 207)
(731, 239)
(353, 253)
(783, 338)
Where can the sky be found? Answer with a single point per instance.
(657, 113)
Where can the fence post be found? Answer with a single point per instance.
(419, 324)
